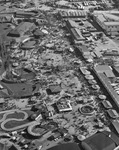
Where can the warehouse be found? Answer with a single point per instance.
(23, 14)
(20, 29)
(105, 81)
(108, 22)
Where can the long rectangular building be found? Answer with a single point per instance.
(108, 22)
(20, 29)
(73, 14)
(106, 83)
(72, 26)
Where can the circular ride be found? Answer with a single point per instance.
(102, 97)
(95, 87)
(89, 77)
(92, 82)
(87, 110)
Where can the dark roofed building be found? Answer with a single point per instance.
(101, 141)
(20, 29)
(69, 146)
(54, 89)
(26, 14)
(20, 89)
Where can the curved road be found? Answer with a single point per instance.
(16, 119)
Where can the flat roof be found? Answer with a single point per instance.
(108, 19)
(68, 146)
(98, 53)
(72, 23)
(83, 48)
(111, 16)
(107, 85)
(76, 34)
(116, 69)
(104, 69)
(112, 23)
(101, 141)
(101, 17)
(115, 124)
(109, 74)
(25, 13)
(20, 89)
(103, 11)
(22, 27)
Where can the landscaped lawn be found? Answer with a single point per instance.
(29, 112)
(15, 123)
(17, 115)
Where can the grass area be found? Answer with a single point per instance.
(15, 123)
(1, 115)
(17, 115)
(29, 112)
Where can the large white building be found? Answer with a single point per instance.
(109, 22)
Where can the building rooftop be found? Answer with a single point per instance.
(21, 28)
(69, 146)
(20, 89)
(76, 34)
(112, 23)
(101, 17)
(105, 69)
(106, 83)
(72, 23)
(115, 124)
(108, 141)
(107, 18)
(111, 17)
